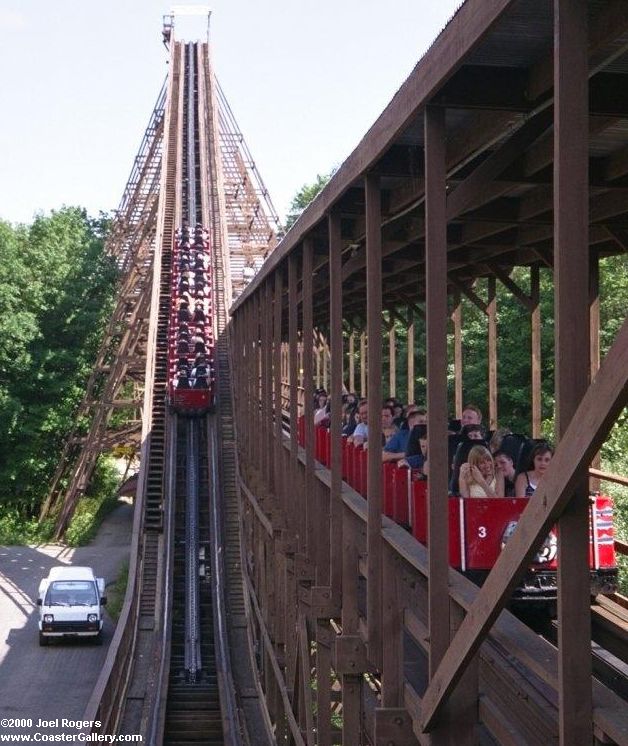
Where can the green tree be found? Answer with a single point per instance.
(304, 196)
(56, 291)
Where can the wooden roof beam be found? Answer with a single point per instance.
(471, 191)
(610, 24)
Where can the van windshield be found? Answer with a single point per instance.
(71, 593)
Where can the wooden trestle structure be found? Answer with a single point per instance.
(116, 383)
(507, 146)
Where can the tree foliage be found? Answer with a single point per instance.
(56, 292)
(304, 196)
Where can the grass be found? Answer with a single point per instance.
(89, 514)
(116, 592)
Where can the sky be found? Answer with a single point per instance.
(80, 78)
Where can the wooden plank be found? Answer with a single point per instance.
(436, 316)
(591, 423)
(374, 456)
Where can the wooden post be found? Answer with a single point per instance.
(363, 354)
(318, 365)
(535, 321)
(308, 344)
(253, 346)
(392, 358)
(335, 324)
(293, 374)
(277, 321)
(325, 354)
(457, 319)
(351, 362)
(267, 415)
(436, 319)
(594, 335)
(571, 273)
(374, 467)
(259, 364)
(491, 308)
(410, 346)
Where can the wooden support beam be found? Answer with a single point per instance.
(374, 467)
(277, 409)
(323, 683)
(335, 323)
(588, 429)
(267, 383)
(305, 677)
(293, 376)
(392, 360)
(594, 337)
(352, 362)
(571, 263)
(610, 24)
(308, 385)
(470, 193)
(458, 368)
(410, 352)
(392, 654)
(436, 316)
(363, 356)
(507, 281)
(471, 295)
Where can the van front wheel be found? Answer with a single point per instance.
(43, 640)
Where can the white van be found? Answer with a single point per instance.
(71, 601)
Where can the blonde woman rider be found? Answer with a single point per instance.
(478, 477)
